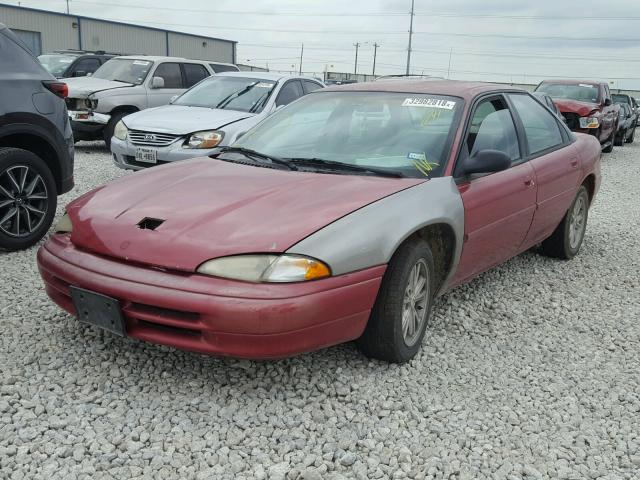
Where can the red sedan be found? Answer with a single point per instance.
(339, 218)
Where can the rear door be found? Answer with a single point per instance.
(498, 207)
(171, 73)
(555, 161)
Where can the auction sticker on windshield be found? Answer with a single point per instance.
(141, 62)
(429, 103)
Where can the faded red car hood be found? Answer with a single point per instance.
(213, 208)
(574, 106)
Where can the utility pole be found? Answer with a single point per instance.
(375, 52)
(67, 7)
(449, 70)
(410, 37)
(301, 53)
(355, 68)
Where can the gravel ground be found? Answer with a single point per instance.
(531, 371)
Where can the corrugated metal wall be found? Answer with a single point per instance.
(200, 48)
(60, 32)
(57, 32)
(124, 39)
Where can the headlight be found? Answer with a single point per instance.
(589, 122)
(91, 103)
(207, 139)
(120, 131)
(64, 224)
(266, 268)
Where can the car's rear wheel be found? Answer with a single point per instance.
(28, 198)
(401, 313)
(566, 240)
(620, 138)
(632, 137)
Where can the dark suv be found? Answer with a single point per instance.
(73, 63)
(36, 145)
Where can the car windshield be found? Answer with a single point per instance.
(229, 93)
(403, 133)
(56, 64)
(124, 70)
(583, 92)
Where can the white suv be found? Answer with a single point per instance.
(128, 84)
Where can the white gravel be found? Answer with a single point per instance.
(531, 371)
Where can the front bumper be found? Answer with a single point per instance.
(124, 153)
(85, 116)
(212, 315)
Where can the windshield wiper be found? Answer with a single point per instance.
(227, 100)
(121, 81)
(247, 152)
(333, 165)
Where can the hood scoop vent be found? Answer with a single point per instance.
(148, 223)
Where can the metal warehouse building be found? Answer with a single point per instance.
(45, 32)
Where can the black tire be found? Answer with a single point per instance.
(384, 338)
(620, 138)
(612, 141)
(110, 127)
(20, 208)
(559, 244)
(632, 137)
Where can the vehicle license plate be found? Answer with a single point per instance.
(99, 310)
(146, 155)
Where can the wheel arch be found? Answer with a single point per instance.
(38, 145)
(124, 109)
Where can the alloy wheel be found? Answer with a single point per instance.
(23, 201)
(577, 222)
(416, 303)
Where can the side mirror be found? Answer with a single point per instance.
(173, 99)
(157, 82)
(79, 73)
(485, 161)
(607, 102)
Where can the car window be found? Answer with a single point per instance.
(541, 128)
(492, 128)
(171, 74)
(218, 68)
(410, 134)
(292, 90)
(87, 65)
(193, 73)
(310, 86)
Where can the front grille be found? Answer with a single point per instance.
(573, 120)
(152, 139)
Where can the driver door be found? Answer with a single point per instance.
(498, 207)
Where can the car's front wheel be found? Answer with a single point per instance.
(566, 240)
(400, 315)
(28, 198)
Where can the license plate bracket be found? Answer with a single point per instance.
(99, 310)
(146, 155)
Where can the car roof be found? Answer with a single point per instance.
(568, 81)
(456, 88)
(156, 58)
(264, 75)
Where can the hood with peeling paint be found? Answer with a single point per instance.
(212, 208)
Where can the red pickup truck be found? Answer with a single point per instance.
(587, 107)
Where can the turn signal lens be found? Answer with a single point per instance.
(203, 140)
(64, 224)
(266, 268)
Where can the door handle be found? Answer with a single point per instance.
(529, 182)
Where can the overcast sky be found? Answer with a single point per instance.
(490, 39)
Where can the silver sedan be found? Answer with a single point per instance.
(211, 114)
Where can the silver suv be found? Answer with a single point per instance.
(126, 85)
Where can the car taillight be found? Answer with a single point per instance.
(57, 88)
